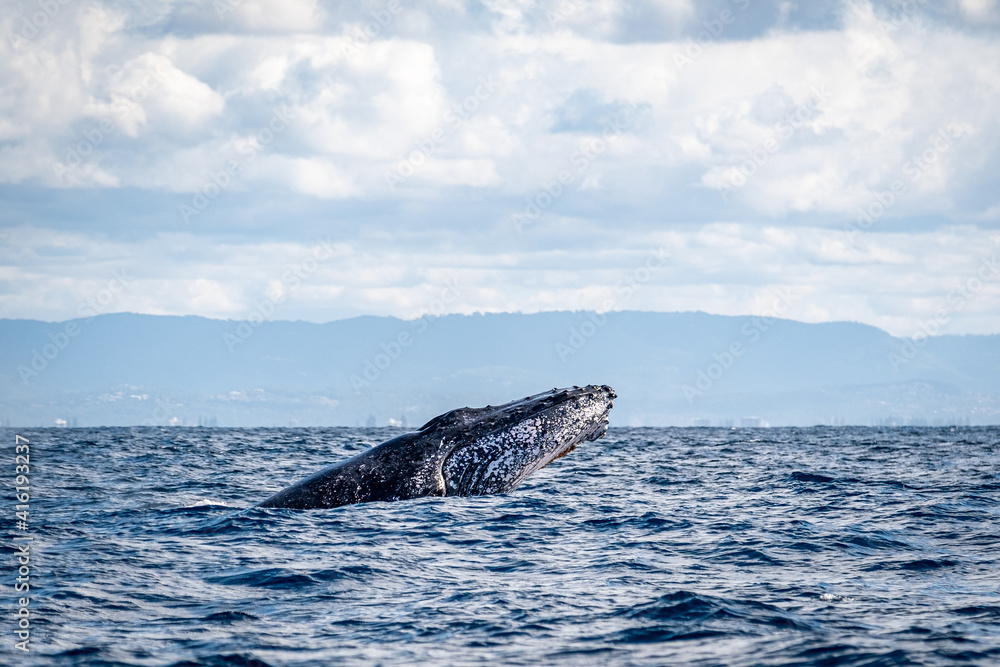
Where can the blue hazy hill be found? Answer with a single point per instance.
(668, 368)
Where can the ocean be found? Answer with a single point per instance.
(651, 546)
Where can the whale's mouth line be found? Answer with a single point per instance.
(598, 430)
(572, 445)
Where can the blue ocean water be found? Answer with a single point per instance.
(819, 546)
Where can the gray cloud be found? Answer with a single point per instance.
(207, 151)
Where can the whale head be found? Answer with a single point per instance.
(493, 449)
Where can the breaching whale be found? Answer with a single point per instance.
(465, 452)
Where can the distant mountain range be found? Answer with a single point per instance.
(668, 369)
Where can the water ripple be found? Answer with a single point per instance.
(701, 547)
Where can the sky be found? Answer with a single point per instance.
(296, 160)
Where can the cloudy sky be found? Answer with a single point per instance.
(319, 161)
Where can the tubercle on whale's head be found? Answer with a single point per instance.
(493, 449)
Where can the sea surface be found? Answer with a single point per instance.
(676, 546)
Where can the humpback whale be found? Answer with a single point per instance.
(465, 452)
